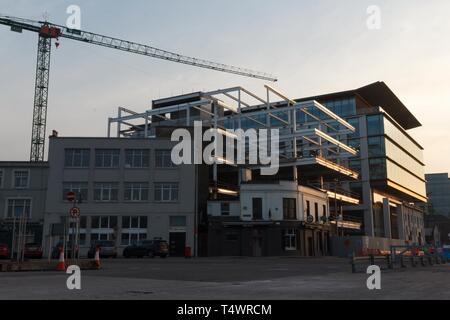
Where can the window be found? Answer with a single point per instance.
(374, 125)
(137, 158)
(106, 191)
(77, 158)
(83, 222)
(355, 123)
(290, 239)
(225, 208)
(166, 191)
(257, 208)
(134, 229)
(163, 159)
(177, 221)
(18, 208)
(308, 208)
(376, 146)
(21, 179)
(107, 158)
(103, 222)
(377, 168)
(80, 189)
(82, 239)
(289, 209)
(316, 212)
(324, 211)
(134, 222)
(128, 238)
(101, 236)
(136, 191)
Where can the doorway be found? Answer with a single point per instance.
(177, 243)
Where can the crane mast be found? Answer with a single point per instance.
(48, 31)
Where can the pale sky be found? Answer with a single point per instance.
(313, 47)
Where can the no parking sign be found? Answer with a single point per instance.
(74, 212)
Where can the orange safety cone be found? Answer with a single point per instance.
(97, 258)
(61, 266)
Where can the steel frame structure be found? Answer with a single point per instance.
(298, 137)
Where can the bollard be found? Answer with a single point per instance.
(353, 263)
(422, 261)
(413, 262)
(402, 262)
(389, 262)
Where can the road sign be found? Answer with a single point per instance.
(70, 196)
(74, 212)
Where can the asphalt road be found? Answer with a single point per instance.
(229, 278)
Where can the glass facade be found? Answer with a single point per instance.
(393, 155)
(402, 139)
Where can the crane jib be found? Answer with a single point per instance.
(48, 31)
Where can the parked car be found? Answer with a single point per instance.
(158, 247)
(446, 252)
(4, 251)
(151, 248)
(137, 250)
(107, 249)
(59, 246)
(33, 251)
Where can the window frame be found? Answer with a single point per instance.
(225, 212)
(15, 199)
(77, 190)
(132, 191)
(289, 212)
(163, 187)
(170, 165)
(102, 190)
(132, 165)
(290, 233)
(14, 179)
(82, 165)
(100, 153)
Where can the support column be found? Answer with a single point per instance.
(400, 223)
(387, 218)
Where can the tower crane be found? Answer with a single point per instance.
(49, 31)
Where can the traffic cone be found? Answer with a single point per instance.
(97, 258)
(61, 266)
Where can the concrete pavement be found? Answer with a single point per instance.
(229, 278)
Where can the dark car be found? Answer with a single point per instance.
(137, 250)
(151, 248)
(157, 247)
(56, 250)
(33, 251)
(107, 249)
(4, 251)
